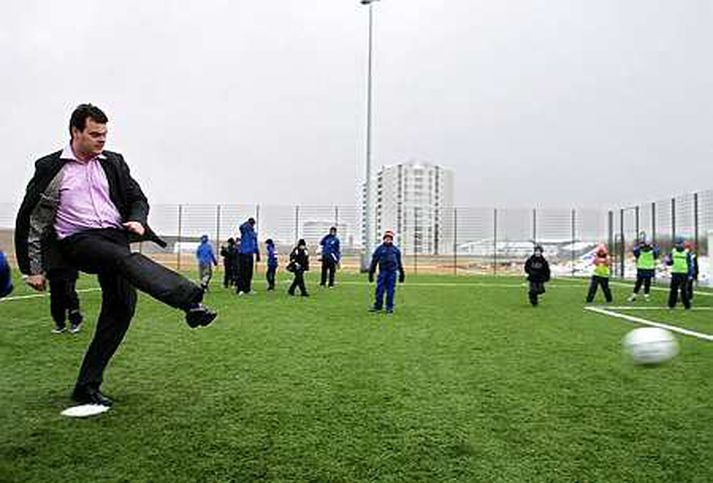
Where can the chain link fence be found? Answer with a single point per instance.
(463, 240)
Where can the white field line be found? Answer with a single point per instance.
(41, 295)
(622, 307)
(660, 289)
(651, 323)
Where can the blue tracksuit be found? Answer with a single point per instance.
(388, 259)
(331, 251)
(205, 254)
(5, 276)
(248, 240)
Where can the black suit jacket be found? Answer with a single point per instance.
(124, 192)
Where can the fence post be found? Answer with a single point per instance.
(574, 236)
(495, 241)
(622, 248)
(696, 233)
(611, 231)
(637, 222)
(455, 241)
(178, 238)
(297, 223)
(653, 221)
(336, 217)
(534, 226)
(673, 220)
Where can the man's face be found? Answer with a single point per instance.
(333, 232)
(90, 141)
(388, 240)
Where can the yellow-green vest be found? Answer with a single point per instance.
(646, 260)
(680, 261)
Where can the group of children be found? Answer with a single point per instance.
(682, 262)
(386, 257)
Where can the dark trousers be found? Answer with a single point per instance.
(107, 253)
(535, 289)
(228, 277)
(298, 282)
(594, 284)
(64, 301)
(329, 268)
(270, 276)
(679, 282)
(645, 281)
(643, 277)
(245, 272)
(690, 286)
(385, 283)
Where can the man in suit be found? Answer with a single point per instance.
(83, 205)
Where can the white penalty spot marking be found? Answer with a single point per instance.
(651, 323)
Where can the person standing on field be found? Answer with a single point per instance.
(646, 255)
(331, 255)
(271, 264)
(229, 254)
(694, 270)
(680, 262)
(247, 248)
(206, 262)
(538, 273)
(299, 264)
(387, 257)
(83, 203)
(600, 277)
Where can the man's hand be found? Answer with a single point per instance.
(37, 282)
(257, 257)
(371, 277)
(402, 277)
(135, 227)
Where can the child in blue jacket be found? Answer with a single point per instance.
(387, 257)
(271, 263)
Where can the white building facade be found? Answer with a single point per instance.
(415, 200)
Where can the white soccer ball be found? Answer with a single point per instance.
(650, 345)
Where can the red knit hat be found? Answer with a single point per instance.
(388, 233)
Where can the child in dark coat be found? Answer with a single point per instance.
(538, 272)
(299, 264)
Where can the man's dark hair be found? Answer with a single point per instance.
(251, 220)
(84, 111)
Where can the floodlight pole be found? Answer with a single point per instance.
(368, 208)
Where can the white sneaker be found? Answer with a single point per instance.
(75, 328)
(59, 330)
(241, 293)
(632, 298)
(647, 297)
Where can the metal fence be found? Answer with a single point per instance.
(688, 216)
(463, 240)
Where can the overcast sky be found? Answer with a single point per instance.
(550, 102)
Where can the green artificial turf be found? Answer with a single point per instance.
(466, 382)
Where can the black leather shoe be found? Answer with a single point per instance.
(89, 395)
(200, 316)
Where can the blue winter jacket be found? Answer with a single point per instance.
(248, 240)
(5, 276)
(388, 259)
(330, 248)
(205, 254)
(271, 256)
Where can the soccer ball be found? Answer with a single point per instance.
(650, 345)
